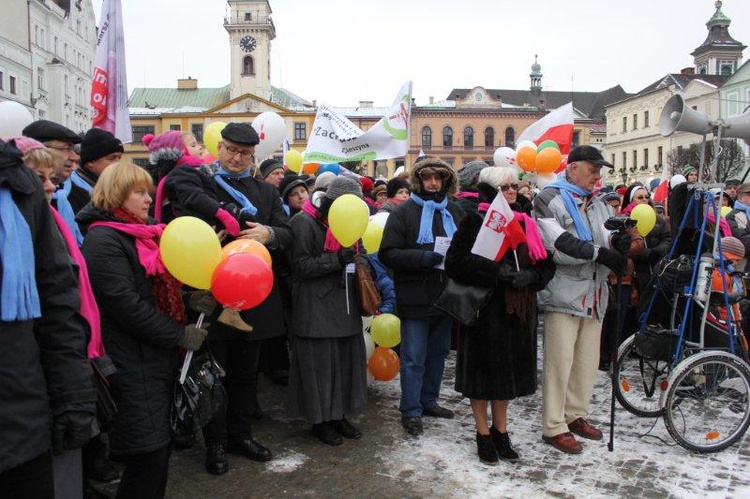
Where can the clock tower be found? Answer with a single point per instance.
(251, 30)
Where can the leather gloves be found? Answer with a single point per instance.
(621, 241)
(346, 256)
(202, 301)
(71, 430)
(430, 259)
(524, 278)
(192, 338)
(230, 223)
(614, 260)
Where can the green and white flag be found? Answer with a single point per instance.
(335, 138)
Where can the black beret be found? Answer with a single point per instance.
(44, 130)
(98, 143)
(269, 165)
(240, 133)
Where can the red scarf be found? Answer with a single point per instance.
(331, 245)
(166, 290)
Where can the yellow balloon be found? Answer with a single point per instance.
(372, 237)
(725, 211)
(645, 216)
(293, 160)
(348, 219)
(386, 330)
(212, 136)
(190, 251)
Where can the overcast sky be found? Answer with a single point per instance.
(342, 51)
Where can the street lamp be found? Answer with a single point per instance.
(624, 177)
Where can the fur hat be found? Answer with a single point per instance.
(394, 185)
(446, 172)
(468, 175)
(98, 143)
(343, 185)
(323, 180)
(378, 189)
(676, 180)
(497, 175)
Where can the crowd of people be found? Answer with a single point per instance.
(84, 291)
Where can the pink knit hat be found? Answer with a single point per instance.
(169, 146)
(25, 144)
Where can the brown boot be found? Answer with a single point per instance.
(231, 317)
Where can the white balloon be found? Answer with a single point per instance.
(369, 346)
(271, 130)
(366, 321)
(504, 156)
(380, 218)
(525, 143)
(544, 179)
(14, 117)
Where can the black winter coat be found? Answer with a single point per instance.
(140, 340)
(43, 366)
(79, 197)
(417, 288)
(267, 318)
(657, 245)
(192, 192)
(319, 290)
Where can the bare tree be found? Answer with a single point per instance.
(731, 159)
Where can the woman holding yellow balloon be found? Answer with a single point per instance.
(328, 376)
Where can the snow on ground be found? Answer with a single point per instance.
(646, 461)
(286, 462)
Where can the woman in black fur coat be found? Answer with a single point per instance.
(496, 359)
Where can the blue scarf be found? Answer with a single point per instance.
(742, 207)
(76, 178)
(566, 191)
(66, 210)
(428, 212)
(247, 206)
(20, 298)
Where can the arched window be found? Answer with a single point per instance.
(426, 136)
(248, 66)
(489, 137)
(468, 137)
(510, 137)
(447, 136)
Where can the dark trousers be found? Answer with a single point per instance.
(274, 355)
(145, 475)
(609, 327)
(32, 479)
(239, 358)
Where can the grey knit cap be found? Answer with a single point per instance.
(323, 180)
(468, 174)
(343, 185)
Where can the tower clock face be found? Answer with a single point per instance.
(248, 43)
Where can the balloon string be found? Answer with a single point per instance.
(346, 289)
(189, 354)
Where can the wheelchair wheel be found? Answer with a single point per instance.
(707, 407)
(639, 383)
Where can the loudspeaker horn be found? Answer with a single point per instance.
(737, 127)
(678, 117)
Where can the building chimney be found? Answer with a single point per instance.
(315, 104)
(365, 103)
(432, 100)
(688, 71)
(187, 84)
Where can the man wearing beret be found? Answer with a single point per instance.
(60, 140)
(257, 207)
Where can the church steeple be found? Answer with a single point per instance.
(719, 54)
(537, 100)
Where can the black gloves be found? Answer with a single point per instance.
(654, 255)
(192, 338)
(614, 260)
(621, 241)
(524, 278)
(346, 256)
(71, 430)
(430, 259)
(202, 301)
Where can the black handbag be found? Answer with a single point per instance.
(463, 302)
(656, 343)
(199, 397)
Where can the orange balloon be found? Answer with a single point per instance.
(246, 246)
(548, 160)
(310, 168)
(526, 158)
(384, 364)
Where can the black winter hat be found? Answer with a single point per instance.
(44, 130)
(288, 184)
(394, 185)
(269, 165)
(98, 143)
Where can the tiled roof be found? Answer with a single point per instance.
(680, 81)
(172, 98)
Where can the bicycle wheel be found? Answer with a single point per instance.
(639, 382)
(707, 407)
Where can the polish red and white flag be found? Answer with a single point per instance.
(500, 231)
(557, 126)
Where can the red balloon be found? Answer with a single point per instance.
(384, 364)
(242, 281)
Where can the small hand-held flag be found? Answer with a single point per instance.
(500, 230)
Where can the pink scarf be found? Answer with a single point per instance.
(331, 245)
(466, 194)
(89, 310)
(537, 251)
(396, 201)
(726, 231)
(186, 160)
(146, 243)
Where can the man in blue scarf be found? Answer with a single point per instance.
(408, 249)
(571, 217)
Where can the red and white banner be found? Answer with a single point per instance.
(557, 126)
(109, 87)
(500, 231)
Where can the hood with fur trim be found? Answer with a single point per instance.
(450, 178)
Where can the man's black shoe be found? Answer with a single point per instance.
(412, 425)
(216, 459)
(346, 429)
(327, 434)
(250, 449)
(438, 412)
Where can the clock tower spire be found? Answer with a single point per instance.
(251, 30)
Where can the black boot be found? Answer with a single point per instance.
(327, 434)
(216, 459)
(502, 444)
(486, 449)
